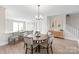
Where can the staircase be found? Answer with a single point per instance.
(72, 33)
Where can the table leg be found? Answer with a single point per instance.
(14, 41)
(39, 48)
(36, 49)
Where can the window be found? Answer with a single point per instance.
(39, 25)
(29, 26)
(17, 26)
(33, 25)
(20, 26)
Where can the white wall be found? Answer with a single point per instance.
(5, 26)
(3, 36)
(44, 25)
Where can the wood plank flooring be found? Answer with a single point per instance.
(60, 46)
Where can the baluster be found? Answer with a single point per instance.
(74, 32)
(78, 33)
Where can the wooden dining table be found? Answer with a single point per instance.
(39, 39)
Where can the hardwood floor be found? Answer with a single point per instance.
(64, 46)
(60, 46)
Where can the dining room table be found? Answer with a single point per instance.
(39, 39)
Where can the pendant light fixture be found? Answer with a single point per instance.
(38, 17)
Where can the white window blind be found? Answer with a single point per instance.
(17, 26)
(30, 26)
(35, 26)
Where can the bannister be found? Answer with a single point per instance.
(73, 30)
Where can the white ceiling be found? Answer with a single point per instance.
(29, 11)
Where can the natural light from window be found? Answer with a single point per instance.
(17, 26)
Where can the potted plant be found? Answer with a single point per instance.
(59, 25)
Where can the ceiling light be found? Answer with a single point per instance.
(38, 17)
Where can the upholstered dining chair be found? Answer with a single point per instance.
(12, 38)
(29, 44)
(47, 44)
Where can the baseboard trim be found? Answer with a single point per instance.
(70, 38)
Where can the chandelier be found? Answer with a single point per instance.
(38, 17)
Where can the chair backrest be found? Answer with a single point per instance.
(37, 33)
(28, 40)
(49, 33)
(11, 36)
(24, 34)
(50, 39)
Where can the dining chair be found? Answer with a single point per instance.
(12, 38)
(47, 44)
(25, 35)
(29, 44)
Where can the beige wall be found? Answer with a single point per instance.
(3, 36)
(2, 20)
(73, 20)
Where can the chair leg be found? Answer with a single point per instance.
(47, 49)
(8, 41)
(14, 41)
(36, 49)
(39, 48)
(24, 45)
(51, 49)
(31, 49)
(26, 49)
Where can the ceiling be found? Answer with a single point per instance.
(29, 11)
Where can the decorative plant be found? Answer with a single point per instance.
(59, 25)
(52, 25)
